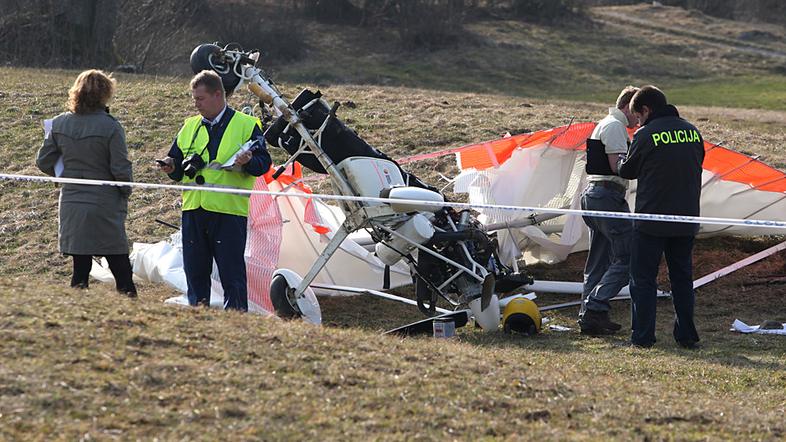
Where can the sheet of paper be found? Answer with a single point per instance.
(243, 149)
(47, 133)
(47, 128)
(559, 328)
(742, 327)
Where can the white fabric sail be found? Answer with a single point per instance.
(546, 169)
(283, 232)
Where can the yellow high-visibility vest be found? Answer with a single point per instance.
(192, 139)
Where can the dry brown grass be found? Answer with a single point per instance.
(398, 121)
(77, 363)
(91, 363)
(74, 364)
(699, 25)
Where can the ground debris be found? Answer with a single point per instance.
(665, 420)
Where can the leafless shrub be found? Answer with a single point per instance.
(333, 11)
(273, 30)
(430, 24)
(548, 11)
(154, 33)
(69, 33)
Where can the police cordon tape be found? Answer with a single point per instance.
(533, 210)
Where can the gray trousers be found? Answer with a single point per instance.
(606, 269)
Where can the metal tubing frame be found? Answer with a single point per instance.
(285, 110)
(252, 73)
(475, 265)
(372, 292)
(431, 252)
(341, 234)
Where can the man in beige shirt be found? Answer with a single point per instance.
(606, 269)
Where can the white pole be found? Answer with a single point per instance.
(738, 265)
(576, 288)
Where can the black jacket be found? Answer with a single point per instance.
(665, 157)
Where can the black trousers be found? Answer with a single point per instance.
(646, 253)
(119, 265)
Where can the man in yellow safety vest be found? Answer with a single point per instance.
(213, 150)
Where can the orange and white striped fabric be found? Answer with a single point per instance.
(546, 169)
(726, 164)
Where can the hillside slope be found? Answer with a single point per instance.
(680, 50)
(672, 47)
(398, 121)
(90, 364)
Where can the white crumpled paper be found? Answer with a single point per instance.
(739, 326)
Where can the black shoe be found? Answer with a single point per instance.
(203, 303)
(609, 324)
(597, 323)
(631, 344)
(689, 345)
(592, 331)
(128, 291)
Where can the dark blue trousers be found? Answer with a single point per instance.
(208, 236)
(606, 270)
(646, 253)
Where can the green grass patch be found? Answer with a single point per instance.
(747, 92)
(753, 92)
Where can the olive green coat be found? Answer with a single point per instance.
(93, 146)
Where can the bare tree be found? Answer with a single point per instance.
(61, 32)
(149, 29)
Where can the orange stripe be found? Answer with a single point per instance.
(730, 165)
(736, 167)
(476, 156)
(287, 179)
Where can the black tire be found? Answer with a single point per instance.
(284, 306)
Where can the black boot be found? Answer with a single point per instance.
(81, 276)
(124, 276)
(129, 291)
(608, 323)
(595, 323)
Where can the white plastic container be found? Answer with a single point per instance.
(444, 328)
(368, 176)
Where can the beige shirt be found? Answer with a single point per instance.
(612, 132)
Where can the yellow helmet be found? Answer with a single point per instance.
(521, 315)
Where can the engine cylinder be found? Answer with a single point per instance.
(417, 229)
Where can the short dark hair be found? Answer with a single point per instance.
(210, 80)
(649, 96)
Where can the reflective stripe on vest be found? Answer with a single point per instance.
(238, 131)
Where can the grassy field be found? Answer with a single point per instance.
(94, 365)
(766, 92)
(586, 60)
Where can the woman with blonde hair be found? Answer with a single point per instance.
(89, 143)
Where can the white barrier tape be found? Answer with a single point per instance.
(593, 213)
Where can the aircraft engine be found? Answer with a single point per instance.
(417, 229)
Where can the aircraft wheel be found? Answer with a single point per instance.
(283, 298)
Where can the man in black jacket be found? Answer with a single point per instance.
(665, 157)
